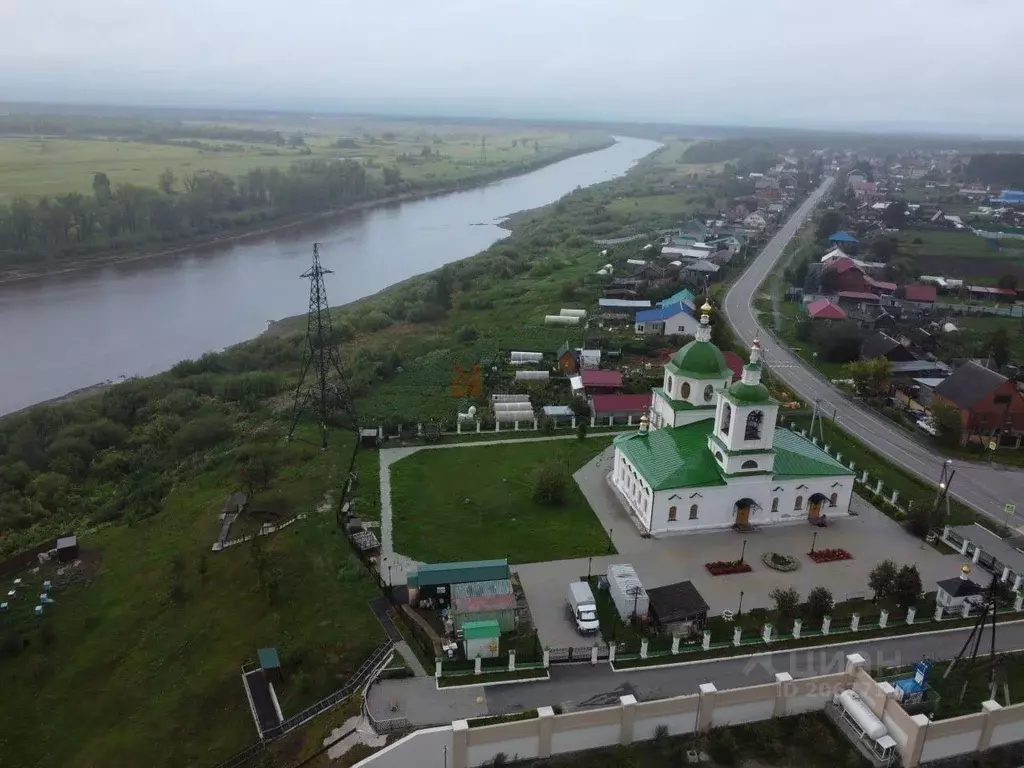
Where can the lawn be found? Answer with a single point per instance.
(476, 503)
(121, 673)
(667, 204)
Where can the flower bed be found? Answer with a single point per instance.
(829, 555)
(726, 567)
(780, 562)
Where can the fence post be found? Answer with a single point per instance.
(855, 622)
(547, 658)
(611, 653)
(593, 421)
(628, 705)
(593, 655)
(766, 633)
(479, 426)
(511, 661)
(546, 721)
(911, 613)
(706, 705)
(643, 648)
(839, 457)
(878, 487)
(938, 613)
(781, 680)
(826, 625)
(737, 633)
(460, 744)
(437, 668)
(864, 477)
(883, 619)
(675, 644)
(458, 427)
(1018, 602)
(798, 625)
(574, 421)
(895, 497)
(477, 666)
(707, 640)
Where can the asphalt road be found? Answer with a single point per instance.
(985, 487)
(586, 686)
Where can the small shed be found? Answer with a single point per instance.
(484, 601)
(565, 359)
(235, 503)
(590, 358)
(270, 663)
(67, 548)
(368, 438)
(560, 414)
(481, 638)
(677, 607)
(435, 581)
(951, 594)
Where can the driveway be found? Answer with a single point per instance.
(986, 488)
(869, 536)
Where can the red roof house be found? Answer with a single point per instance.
(923, 293)
(823, 309)
(848, 276)
(593, 379)
(990, 405)
(621, 405)
(735, 363)
(879, 286)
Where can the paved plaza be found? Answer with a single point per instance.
(869, 536)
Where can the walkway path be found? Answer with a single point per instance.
(582, 686)
(380, 607)
(986, 488)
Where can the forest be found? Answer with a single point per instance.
(1000, 169)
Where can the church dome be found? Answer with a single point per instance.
(701, 359)
(746, 392)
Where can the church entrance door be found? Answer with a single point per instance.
(742, 515)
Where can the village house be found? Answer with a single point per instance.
(880, 344)
(620, 408)
(990, 405)
(666, 320)
(601, 382)
(755, 220)
(565, 359)
(823, 309)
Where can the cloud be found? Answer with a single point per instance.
(786, 62)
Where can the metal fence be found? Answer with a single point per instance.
(576, 655)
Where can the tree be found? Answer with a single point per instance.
(101, 187)
(166, 182)
(1008, 282)
(819, 603)
(895, 215)
(907, 585)
(948, 423)
(392, 176)
(883, 248)
(869, 375)
(882, 580)
(787, 602)
(828, 224)
(551, 484)
(999, 346)
(839, 342)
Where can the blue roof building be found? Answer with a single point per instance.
(843, 237)
(1009, 197)
(684, 296)
(667, 320)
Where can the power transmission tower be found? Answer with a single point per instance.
(322, 392)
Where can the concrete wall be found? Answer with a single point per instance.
(918, 739)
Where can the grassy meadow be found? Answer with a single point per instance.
(475, 503)
(125, 669)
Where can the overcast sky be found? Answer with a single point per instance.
(941, 64)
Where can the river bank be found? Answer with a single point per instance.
(20, 273)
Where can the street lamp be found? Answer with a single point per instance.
(739, 610)
(743, 551)
(609, 541)
(590, 560)
(814, 541)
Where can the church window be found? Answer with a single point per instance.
(693, 511)
(726, 418)
(799, 503)
(833, 499)
(685, 390)
(668, 384)
(749, 465)
(709, 392)
(671, 514)
(718, 455)
(775, 504)
(754, 422)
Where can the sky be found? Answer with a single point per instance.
(945, 65)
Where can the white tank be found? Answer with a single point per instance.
(561, 320)
(862, 715)
(573, 312)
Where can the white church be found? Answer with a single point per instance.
(710, 456)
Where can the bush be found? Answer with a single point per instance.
(723, 747)
(551, 484)
(467, 333)
(819, 603)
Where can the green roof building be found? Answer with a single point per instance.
(711, 456)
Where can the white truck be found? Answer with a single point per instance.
(583, 608)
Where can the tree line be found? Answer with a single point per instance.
(1002, 169)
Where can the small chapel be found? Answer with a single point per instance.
(710, 456)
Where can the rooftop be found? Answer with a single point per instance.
(624, 303)
(958, 587)
(928, 293)
(457, 573)
(620, 403)
(663, 313)
(823, 309)
(677, 602)
(609, 379)
(842, 237)
(268, 658)
(969, 385)
(481, 630)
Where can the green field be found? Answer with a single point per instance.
(958, 244)
(38, 166)
(119, 672)
(475, 503)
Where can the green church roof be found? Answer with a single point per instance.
(749, 394)
(700, 360)
(679, 457)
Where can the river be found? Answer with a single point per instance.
(66, 332)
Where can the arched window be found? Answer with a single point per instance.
(685, 390)
(718, 455)
(833, 499)
(693, 511)
(799, 503)
(726, 418)
(709, 392)
(671, 514)
(775, 504)
(754, 421)
(668, 384)
(750, 464)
